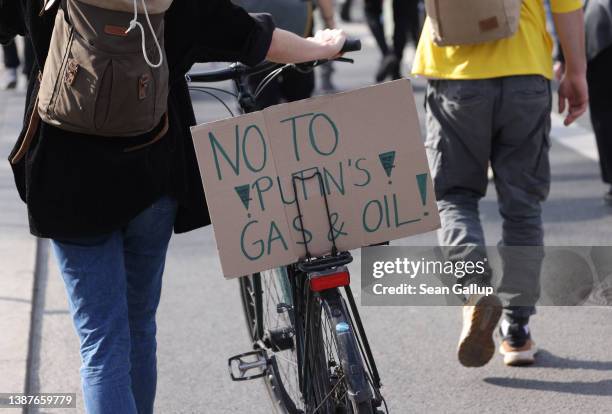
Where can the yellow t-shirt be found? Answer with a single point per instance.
(527, 52)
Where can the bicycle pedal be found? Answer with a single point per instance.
(248, 366)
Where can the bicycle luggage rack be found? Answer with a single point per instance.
(316, 264)
(336, 259)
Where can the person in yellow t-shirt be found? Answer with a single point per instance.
(490, 104)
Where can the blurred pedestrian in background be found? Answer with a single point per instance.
(598, 17)
(345, 11)
(405, 21)
(329, 21)
(598, 27)
(12, 63)
(297, 17)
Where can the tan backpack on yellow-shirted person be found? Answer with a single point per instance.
(106, 72)
(466, 22)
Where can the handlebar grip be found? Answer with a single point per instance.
(351, 44)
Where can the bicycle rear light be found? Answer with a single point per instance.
(320, 281)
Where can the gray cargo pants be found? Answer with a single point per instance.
(504, 122)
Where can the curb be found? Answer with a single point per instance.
(18, 253)
(37, 305)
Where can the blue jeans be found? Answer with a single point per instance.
(113, 284)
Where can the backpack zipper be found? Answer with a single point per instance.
(60, 76)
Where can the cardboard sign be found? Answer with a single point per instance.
(363, 149)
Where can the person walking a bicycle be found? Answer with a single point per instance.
(489, 102)
(107, 189)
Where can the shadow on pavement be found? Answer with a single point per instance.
(598, 388)
(56, 312)
(548, 360)
(566, 210)
(585, 209)
(9, 299)
(591, 177)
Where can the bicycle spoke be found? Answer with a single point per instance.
(320, 385)
(329, 394)
(273, 295)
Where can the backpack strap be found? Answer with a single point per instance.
(47, 5)
(162, 133)
(34, 121)
(29, 135)
(33, 125)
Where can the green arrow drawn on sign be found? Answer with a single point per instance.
(244, 194)
(387, 159)
(422, 182)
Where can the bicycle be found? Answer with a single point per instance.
(310, 348)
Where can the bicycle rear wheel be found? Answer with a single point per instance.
(335, 366)
(310, 342)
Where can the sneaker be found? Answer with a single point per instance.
(9, 80)
(517, 347)
(480, 316)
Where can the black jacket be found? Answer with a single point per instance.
(78, 185)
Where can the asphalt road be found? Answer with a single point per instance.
(201, 325)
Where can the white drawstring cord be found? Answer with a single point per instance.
(134, 23)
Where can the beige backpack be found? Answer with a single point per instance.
(466, 22)
(101, 76)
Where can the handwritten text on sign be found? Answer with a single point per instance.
(362, 149)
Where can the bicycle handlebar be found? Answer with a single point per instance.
(237, 70)
(351, 44)
(234, 71)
